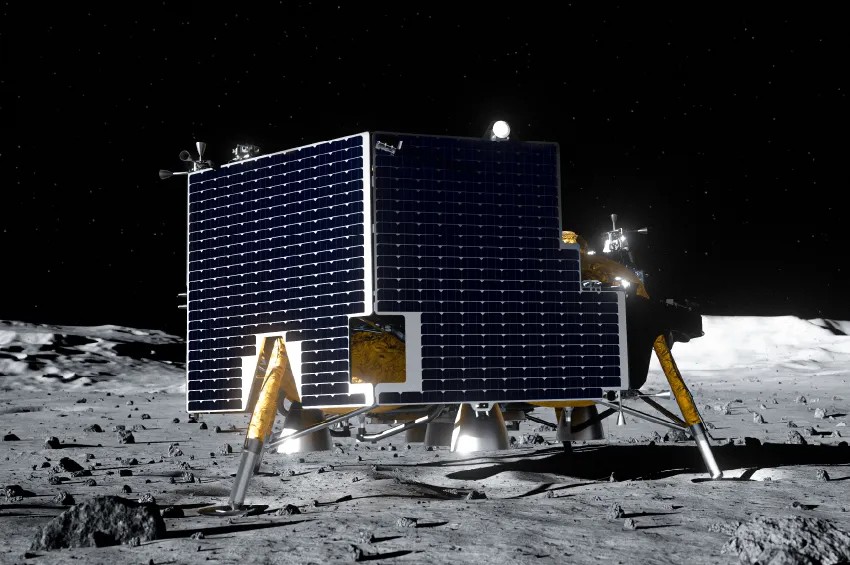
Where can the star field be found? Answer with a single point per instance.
(723, 131)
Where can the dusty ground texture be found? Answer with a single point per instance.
(540, 505)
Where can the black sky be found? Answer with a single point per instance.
(722, 127)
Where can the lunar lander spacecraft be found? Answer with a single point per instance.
(420, 281)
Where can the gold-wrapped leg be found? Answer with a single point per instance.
(262, 420)
(687, 406)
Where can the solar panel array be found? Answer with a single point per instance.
(467, 232)
(276, 244)
(466, 237)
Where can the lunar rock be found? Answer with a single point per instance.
(52, 443)
(822, 475)
(12, 491)
(407, 522)
(68, 465)
(531, 439)
(629, 524)
(615, 511)
(789, 540)
(99, 522)
(819, 414)
(795, 438)
(172, 512)
(94, 428)
(64, 499)
(11, 437)
(288, 510)
(126, 437)
(676, 435)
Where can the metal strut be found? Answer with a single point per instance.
(428, 418)
(320, 426)
(618, 406)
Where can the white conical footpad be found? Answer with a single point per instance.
(479, 431)
(298, 419)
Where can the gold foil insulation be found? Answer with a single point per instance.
(677, 384)
(601, 268)
(377, 357)
(265, 411)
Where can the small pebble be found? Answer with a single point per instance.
(822, 475)
(64, 499)
(288, 510)
(172, 512)
(407, 522)
(11, 437)
(13, 491)
(629, 524)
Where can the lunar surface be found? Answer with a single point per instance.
(87, 412)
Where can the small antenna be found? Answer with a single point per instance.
(196, 164)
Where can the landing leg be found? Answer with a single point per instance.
(260, 427)
(686, 405)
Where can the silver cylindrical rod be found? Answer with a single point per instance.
(541, 421)
(700, 436)
(402, 427)
(320, 426)
(663, 410)
(642, 415)
(250, 456)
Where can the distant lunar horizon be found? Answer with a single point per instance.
(55, 357)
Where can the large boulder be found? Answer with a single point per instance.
(99, 522)
(792, 540)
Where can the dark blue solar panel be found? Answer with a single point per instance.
(467, 232)
(465, 246)
(276, 244)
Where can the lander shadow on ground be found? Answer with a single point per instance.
(647, 462)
